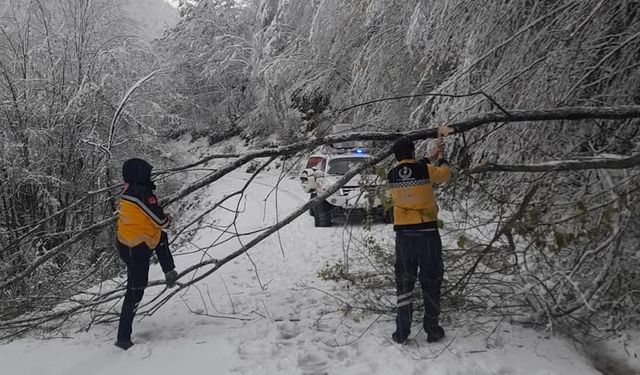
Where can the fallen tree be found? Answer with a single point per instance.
(93, 302)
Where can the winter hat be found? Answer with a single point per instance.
(404, 149)
(137, 172)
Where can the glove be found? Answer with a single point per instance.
(171, 278)
(169, 221)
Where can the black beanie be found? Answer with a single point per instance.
(403, 149)
(137, 172)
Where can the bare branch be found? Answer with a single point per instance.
(218, 263)
(464, 125)
(124, 101)
(41, 260)
(560, 165)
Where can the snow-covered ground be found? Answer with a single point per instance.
(229, 324)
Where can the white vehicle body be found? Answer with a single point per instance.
(323, 170)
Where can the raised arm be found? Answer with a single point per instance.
(439, 171)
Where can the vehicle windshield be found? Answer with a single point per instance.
(341, 166)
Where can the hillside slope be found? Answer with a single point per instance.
(151, 18)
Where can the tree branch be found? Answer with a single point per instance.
(125, 99)
(464, 125)
(218, 263)
(560, 165)
(526, 115)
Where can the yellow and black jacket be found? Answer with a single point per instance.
(411, 183)
(140, 217)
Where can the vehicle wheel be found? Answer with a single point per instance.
(313, 195)
(322, 215)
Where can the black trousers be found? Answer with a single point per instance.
(418, 250)
(137, 260)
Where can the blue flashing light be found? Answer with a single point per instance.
(359, 151)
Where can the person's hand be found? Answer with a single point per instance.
(438, 151)
(171, 278)
(440, 148)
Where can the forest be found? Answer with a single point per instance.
(540, 101)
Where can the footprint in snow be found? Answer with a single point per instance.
(312, 364)
(288, 330)
(337, 355)
(252, 351)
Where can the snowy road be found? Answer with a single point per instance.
(229, 324)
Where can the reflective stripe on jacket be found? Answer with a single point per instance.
(414, 204)
(140, 217)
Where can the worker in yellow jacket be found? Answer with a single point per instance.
(418, 244)
(139, 230)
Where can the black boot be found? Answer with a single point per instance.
(398, 339)
(124, 345)
(435, 333)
